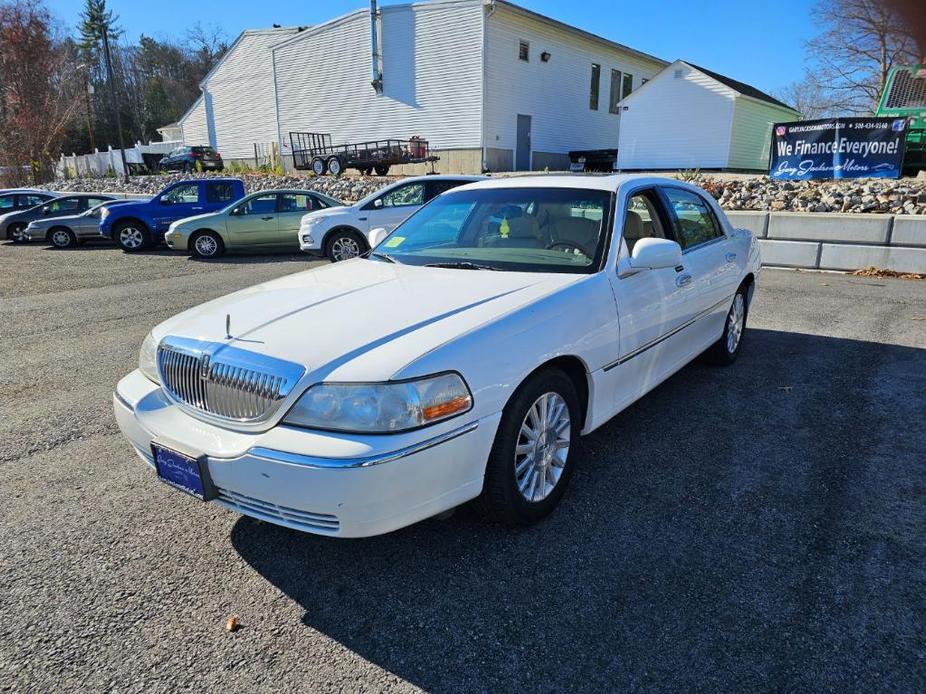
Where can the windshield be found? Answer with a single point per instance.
(520, 229)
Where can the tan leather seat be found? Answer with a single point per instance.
(633, 229)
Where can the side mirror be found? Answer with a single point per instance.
(46, 209)
(378, 203)
(653, 254)
(235, 211)
(166, 201)
(377, 235)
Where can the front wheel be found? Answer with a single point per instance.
(725, 351)
(61, 237)
(132, 237)
(531, 459)
(343, 245)
(206, 244)
(16, 233)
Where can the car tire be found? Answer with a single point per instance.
(318, 166)
(725, 351)
(62, 237)
(132, 237)
(15, 232)
(206, 244)
(335, 166)
(382, 169)
(531, 460)
(344, 244)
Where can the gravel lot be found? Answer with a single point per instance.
(757, 527)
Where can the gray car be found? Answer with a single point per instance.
(14, 224)
(70, 230)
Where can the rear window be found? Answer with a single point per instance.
(203, 150)
(220, 192)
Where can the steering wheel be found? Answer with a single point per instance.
(568, 247)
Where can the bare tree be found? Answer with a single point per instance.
(812, 99)
(860, 41)
(39, 89)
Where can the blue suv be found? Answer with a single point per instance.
(142, 224)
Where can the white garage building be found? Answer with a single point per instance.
(688, 117)
(489, 84)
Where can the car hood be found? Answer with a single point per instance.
(48, 221)
(361, 319)
(329, 212)
(197, 219)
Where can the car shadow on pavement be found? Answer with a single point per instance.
(759, 526)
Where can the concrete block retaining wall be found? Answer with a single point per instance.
(823, 241)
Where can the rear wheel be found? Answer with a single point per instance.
(344, 244)
(382, 169)
(15, 233)
(531, 460)
(725, 351)
(206, 244)
(62, 237)
(318, 166)
(132, 236)
(335, 166)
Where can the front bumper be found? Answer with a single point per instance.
(310, 239)
(318, 482)
(176, 241)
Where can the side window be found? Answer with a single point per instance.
(31, 200)
(219, 192)
(693, 219)
(435, 188)
(641, 221)
(261, 204)
(93, 202)
(64, 205)
(297, 202)
(319, 203)
(8, 201)
(403, 196)
(186, 193)
(627, 85)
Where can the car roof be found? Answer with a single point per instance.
(10, 191)
(607, 182)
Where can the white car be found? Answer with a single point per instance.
(342, 233)
(459, 361)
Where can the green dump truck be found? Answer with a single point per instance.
(904, 96)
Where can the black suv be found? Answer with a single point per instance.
(192, 159)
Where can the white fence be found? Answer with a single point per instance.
(108, 161)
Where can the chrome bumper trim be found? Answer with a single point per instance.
(350, 463)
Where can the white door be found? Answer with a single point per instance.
(651, 305)
(393, 206)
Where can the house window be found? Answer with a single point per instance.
(524, 51)
(596, 86)
(615, 94)
(628, 85)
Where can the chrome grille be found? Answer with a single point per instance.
(224, 381)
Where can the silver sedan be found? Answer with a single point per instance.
(68, 231)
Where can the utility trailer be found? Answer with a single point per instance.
(315, 152)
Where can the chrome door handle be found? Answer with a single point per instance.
(683, 280)
(730, 257)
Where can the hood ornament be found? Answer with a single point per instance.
(228, 334)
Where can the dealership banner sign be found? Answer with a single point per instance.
(838, 148)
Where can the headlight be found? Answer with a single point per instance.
(148, 358)
(381, 408)
(311, 221)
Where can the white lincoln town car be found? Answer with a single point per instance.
(459, 360)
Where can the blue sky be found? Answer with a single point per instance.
(757, 42)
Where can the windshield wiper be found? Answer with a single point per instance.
(463, 265)
(387, 258)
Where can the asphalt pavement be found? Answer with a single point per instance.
(758, 527)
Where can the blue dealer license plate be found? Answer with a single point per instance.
(190, 475)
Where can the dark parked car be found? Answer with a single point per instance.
(193, 159)
(14, 224)
(17, 199)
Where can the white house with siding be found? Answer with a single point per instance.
(688, 117)
(489, 84)
(237, 109)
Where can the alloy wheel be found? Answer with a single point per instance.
(543, 447)
(206, 245)
(17, 233)
(131, 237)
(735, 322)
(344, 248)
(61, 239)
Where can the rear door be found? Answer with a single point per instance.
(291, 207)
(254, 223)
(218, 195)
(395, 205)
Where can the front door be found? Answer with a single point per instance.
(522, 159)
(253, 223)
(180, 201)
